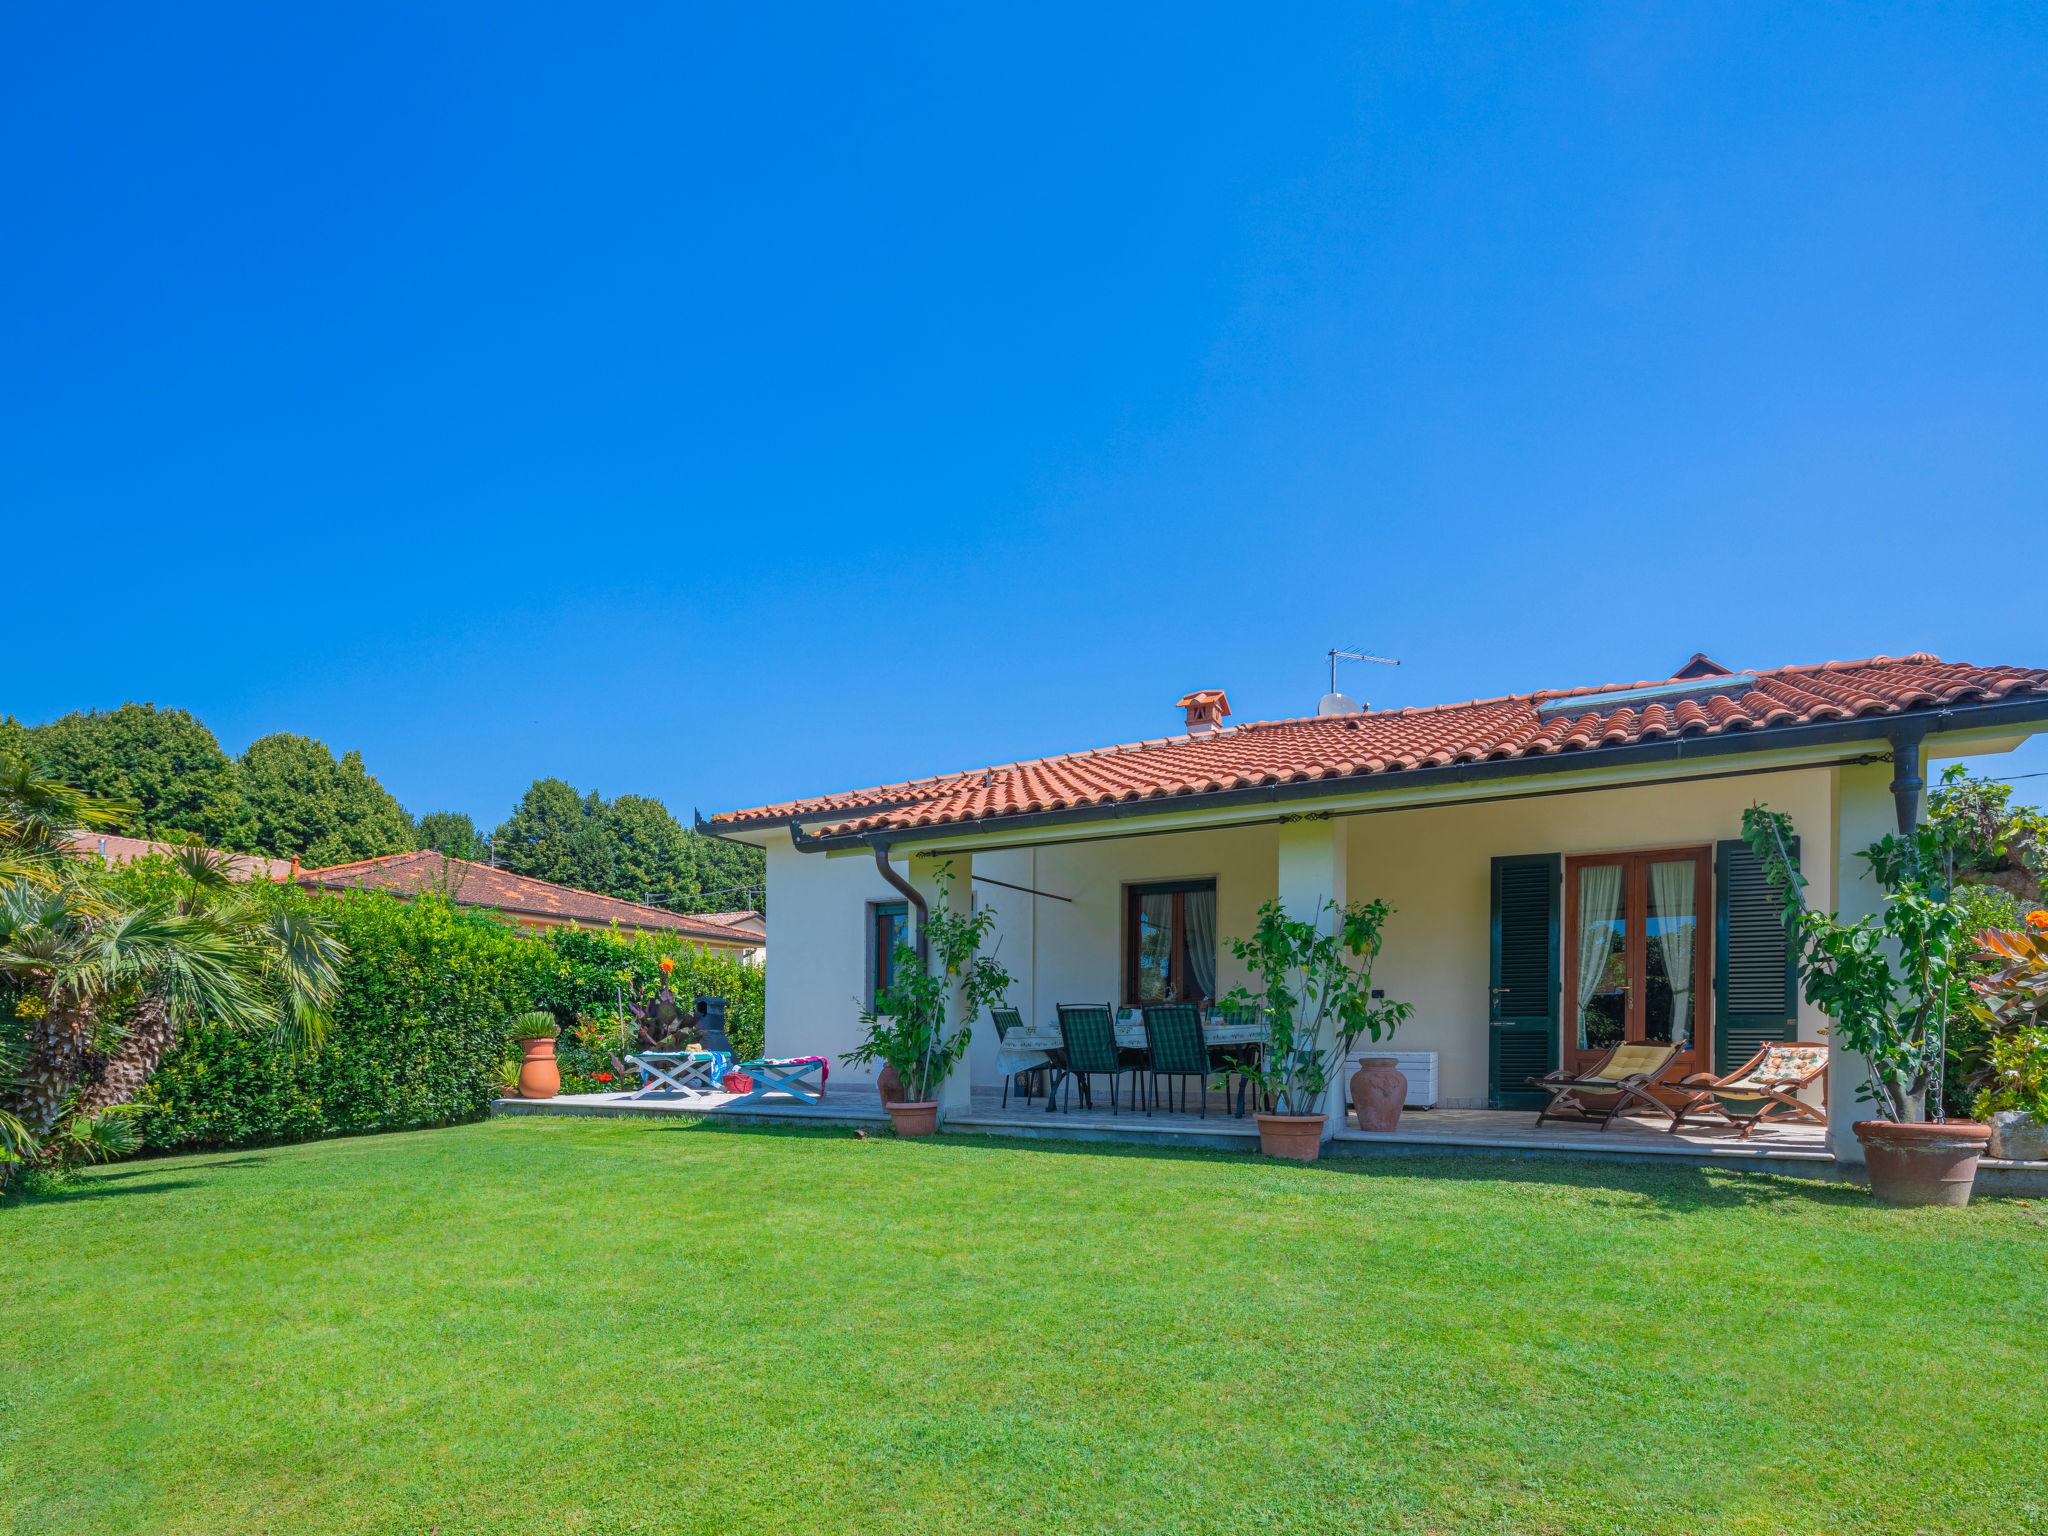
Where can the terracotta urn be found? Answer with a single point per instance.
(539, 1078)
(1931, 1163)
(1378, 1090)
(890, 1086)
(914, 1119)
(1299, 1137)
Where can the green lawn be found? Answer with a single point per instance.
(493, 1328)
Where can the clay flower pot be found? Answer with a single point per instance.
(1378, 1090)
(1297, 1136)
(890, 1086)
(539, 1078)
(1934, 1163)
(915, 1119)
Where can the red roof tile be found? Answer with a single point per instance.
(1391, 741)
(479, 885)
(125, 850)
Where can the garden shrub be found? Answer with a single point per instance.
(420, 1032)
(417, 1039)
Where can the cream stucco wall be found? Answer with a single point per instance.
(1432, 864)
(818, 952)
(1435, 867)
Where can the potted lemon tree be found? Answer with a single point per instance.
(1890, 983)
(1314, 988)
(907, 1028)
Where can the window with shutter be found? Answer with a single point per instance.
(1756, 974)
(1524, 978)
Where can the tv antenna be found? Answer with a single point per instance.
(1338, 654)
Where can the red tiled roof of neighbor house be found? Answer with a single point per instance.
(480, 885)
(1703, 700)
(124, 850)
(750, 921)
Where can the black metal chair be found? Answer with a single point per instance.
(1176, 1051)
(1088, 1036)
(1007, 1019)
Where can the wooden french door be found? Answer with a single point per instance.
(1635, 961)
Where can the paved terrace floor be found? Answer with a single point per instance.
(1420, 1129)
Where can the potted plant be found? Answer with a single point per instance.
(507, 1078)
(1315, 990)
(906, 1028)
(2013, 1002)
(539, 1078)
(1890, 983)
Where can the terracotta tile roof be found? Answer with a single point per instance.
(1699, 702)
(749, 921)
(124, 850)
(479, 885)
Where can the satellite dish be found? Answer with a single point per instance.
(1337, 704)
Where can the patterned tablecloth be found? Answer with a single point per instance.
(1032, 1045)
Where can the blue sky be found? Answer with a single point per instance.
(729, 403)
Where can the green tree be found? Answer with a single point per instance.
(631, 847)
(107, 965)
(453, 833)
(651, 854)
(301, 801)
(539, 838)
(162, 761)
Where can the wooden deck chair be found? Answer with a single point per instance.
(1763, 1089)
(1617, 1081)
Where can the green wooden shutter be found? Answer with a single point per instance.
(1523, 977)
(1756, 974)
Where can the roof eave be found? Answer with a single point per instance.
(1864, 728)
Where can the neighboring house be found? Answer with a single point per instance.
(747, 922)
(1565, 867)
(529, 902)
(123, 850)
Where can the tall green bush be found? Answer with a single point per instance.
(420, 1025)
(417, 1037)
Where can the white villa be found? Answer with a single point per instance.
(1565, 866)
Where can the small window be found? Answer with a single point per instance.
(888, 926)
(1170, 942)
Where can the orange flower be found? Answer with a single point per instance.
(668, 965)
(2038, 919)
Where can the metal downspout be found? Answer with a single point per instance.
(911, 895)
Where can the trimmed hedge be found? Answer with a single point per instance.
(419, 1036)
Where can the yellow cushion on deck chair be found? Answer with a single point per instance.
(1631, 1060)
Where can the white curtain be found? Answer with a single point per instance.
(1155, 940)
(1671, 890)
(1599, 910)
(1200, 907)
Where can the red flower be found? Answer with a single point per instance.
(604, 1077)
(667, 965)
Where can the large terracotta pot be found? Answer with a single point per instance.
(890, 1086)
(1933, 1163)
(1378, 1090)
(539, 1078)
(919, 1119)
(2018, 1137)
(1297, 1136)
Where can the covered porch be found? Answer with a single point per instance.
(1530, 931)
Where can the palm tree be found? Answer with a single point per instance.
(106, 979)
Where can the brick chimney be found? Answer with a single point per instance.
(1206, 708)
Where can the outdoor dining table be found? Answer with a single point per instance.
(1040, 1045)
